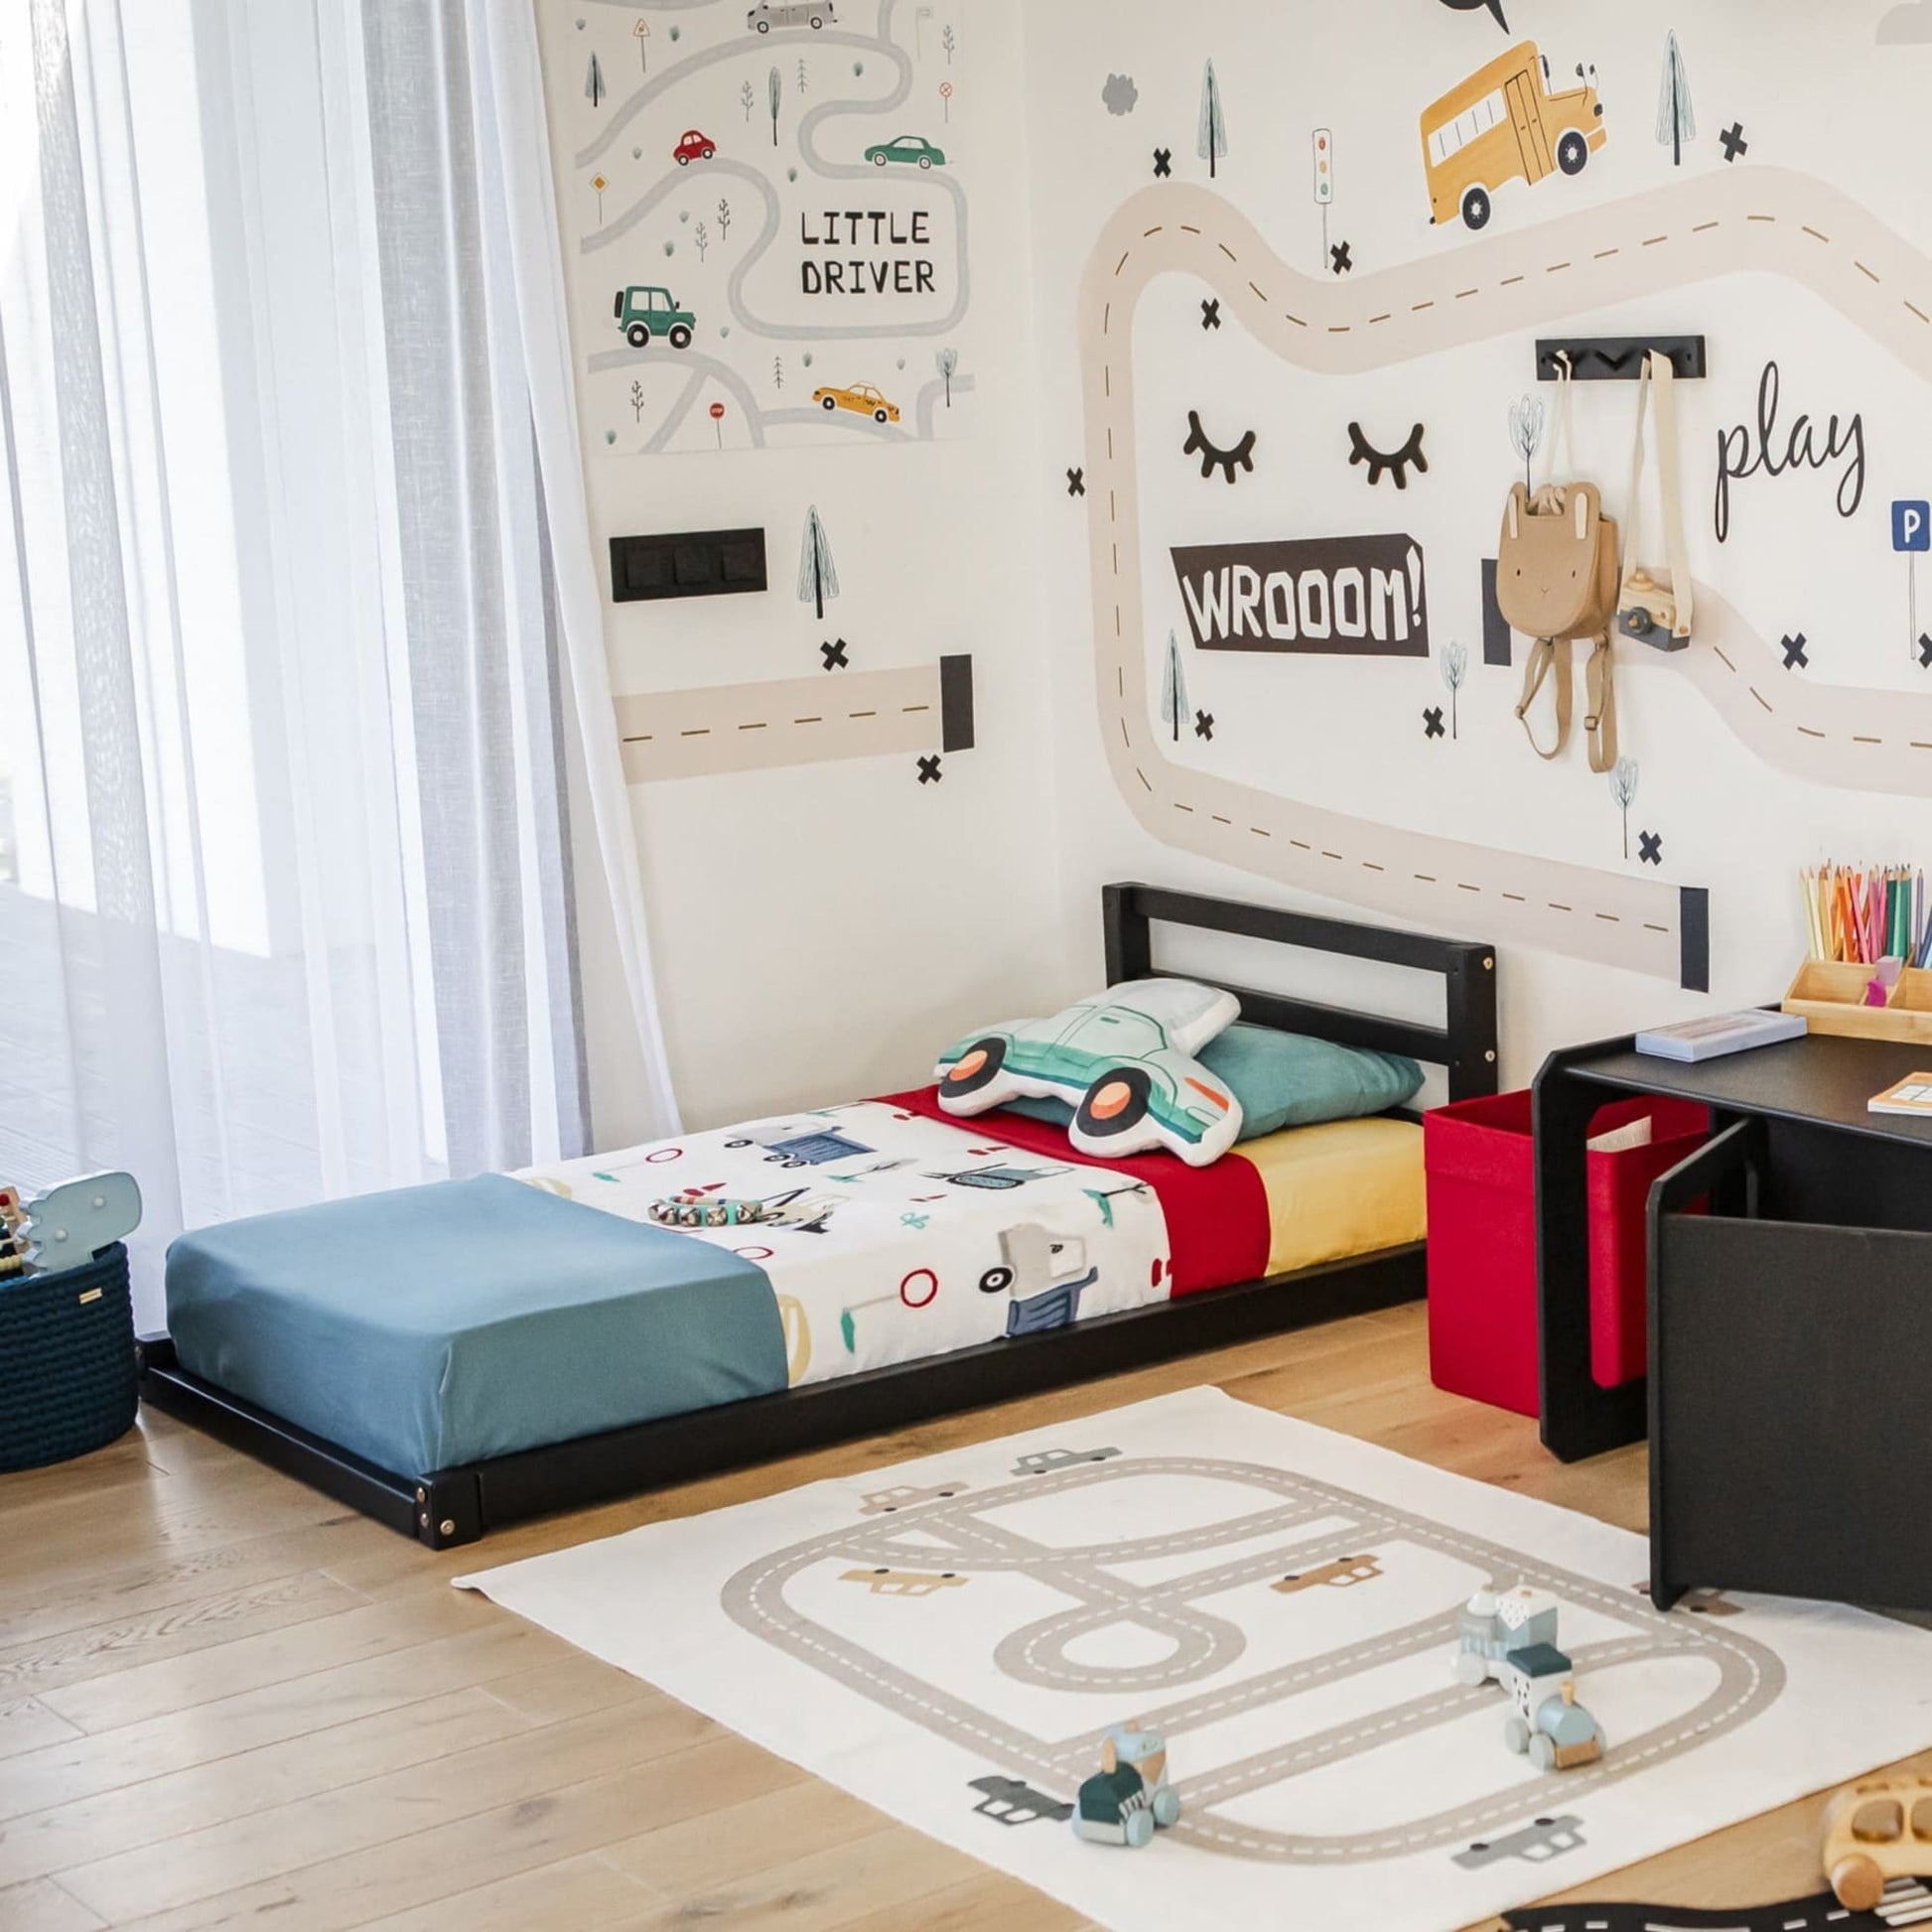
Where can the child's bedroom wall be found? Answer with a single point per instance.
(1231, 360)
(843, 784)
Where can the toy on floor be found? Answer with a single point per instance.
(1877, 1830)
(13, 1234)
(68, 1225)
(1493, 1624)
(1548, 1722)
(1129, 1795)
(1511, 1637)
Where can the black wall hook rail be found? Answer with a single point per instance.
(1617, 358)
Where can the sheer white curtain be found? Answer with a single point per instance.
(297, 607)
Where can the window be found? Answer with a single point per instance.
(1453, 136)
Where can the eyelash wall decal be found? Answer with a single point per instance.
(1242, 456)
(1379, 461)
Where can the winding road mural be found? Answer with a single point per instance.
(1765, 221)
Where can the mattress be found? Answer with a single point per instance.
(445, 1324)
(449, 1324)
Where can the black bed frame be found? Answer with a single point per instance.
(459, 1505)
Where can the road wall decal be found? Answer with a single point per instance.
(1763, 221)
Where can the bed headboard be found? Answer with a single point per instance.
(1465, 1044)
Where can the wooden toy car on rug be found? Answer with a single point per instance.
(1877, 1831)
(1510, 1637)
(1129, 1795)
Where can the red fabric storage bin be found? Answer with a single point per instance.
(1479, 1157)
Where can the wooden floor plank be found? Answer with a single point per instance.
(740, 1840)
(44, 1664)
(46, 1601)
(985, 1900)
(354, 1817)
(178, 1683)
(204, 1796)
(27, 1725)
(560, 1822)
(43, 1907)
(582, 1893)
(893, 1871)
(302, 1706)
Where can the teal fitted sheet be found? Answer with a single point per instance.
(445, 1324)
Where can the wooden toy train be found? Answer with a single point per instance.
(1510, 1638)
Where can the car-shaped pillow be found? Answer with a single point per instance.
(1124, 1060)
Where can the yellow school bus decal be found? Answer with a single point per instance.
(1503, 124)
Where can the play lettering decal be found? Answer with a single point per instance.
(1756, 448)
(1349, 597)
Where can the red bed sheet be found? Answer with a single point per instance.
(1218, 1229)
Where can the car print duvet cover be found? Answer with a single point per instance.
(887, 1235)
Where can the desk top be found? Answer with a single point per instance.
(1819, 1078)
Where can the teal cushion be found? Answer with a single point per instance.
(1287, 1081)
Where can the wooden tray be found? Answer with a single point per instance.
(1831, 997)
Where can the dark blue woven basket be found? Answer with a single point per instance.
(66, 1362)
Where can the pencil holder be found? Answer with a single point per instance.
(66, 1362)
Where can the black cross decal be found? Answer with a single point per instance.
(1925, 650)
(1204, 725)
(1432, 722)
(1340, 259)
(1794, 652)
(1076, 482)
(1650, 848)
(1733, 141)
(835, 659)
(1211, 313)
(929, 773)
(1162, 162)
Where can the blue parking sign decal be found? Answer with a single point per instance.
(1911, 527)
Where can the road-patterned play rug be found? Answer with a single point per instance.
(952, 1640)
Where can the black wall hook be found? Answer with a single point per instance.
(1617, 358)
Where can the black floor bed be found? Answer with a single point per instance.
(459, 1505)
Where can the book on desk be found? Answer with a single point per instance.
(1717, 1033)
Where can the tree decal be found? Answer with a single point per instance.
(948, 363)
(724, 220)
(747, 98)
(1454, 667)
(1676, 122)
(774, 88)
(1623, 789)
(818, 579)
(594, 88)
(1213, 141)
(1526, 418)
(1173, 688)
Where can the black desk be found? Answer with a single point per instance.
(1789, 1402)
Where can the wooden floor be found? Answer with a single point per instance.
(225, 1702)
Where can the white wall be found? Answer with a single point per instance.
(821, 930)
(1816, 95)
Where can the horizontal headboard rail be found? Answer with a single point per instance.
(1465, 1044)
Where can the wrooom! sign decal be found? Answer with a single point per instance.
(1337, 596)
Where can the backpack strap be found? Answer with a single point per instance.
(1547, 654)
(1633, 497)
(1599, 693)
(1674, 553)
